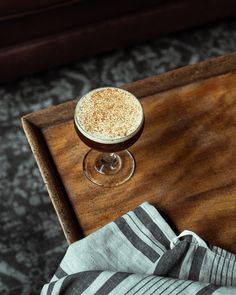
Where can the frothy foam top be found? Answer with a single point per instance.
(108, 115)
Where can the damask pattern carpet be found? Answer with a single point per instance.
(31, 240)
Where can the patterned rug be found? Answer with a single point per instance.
(31, 240)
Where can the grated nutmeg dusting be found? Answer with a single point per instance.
(109, 113)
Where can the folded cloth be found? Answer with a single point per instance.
(140, 254)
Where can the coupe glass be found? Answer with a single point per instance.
(108, 163)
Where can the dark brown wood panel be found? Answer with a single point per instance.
(186, 162)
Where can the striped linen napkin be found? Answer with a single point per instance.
(140, 254)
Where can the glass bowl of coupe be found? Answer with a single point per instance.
(109, 120)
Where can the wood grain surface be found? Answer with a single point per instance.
(186, 161)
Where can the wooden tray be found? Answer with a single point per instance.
(186, 157)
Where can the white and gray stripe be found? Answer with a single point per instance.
(140, 254)
(136, 241)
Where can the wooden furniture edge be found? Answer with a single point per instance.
(145, 87)
(40, 119)
(182, 76)
(142, 24)
(52, 181)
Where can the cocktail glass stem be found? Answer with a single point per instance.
(108, 169)
(108, 163)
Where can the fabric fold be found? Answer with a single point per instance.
(140, 254)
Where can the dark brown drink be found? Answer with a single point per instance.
(109, 119)
(109, 148)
